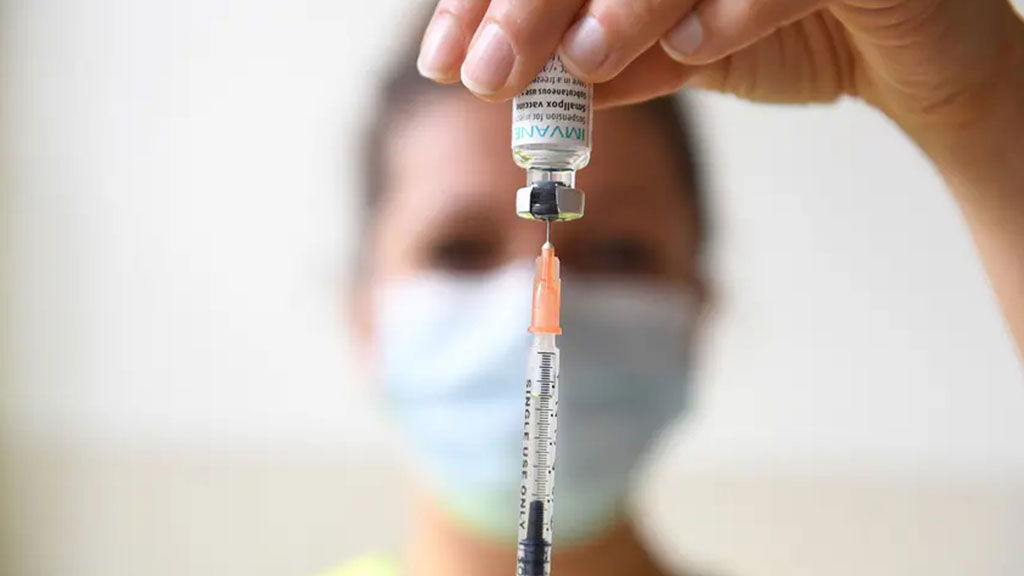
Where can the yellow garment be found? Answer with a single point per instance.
(371, 565)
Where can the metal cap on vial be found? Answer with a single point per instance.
(549, 201)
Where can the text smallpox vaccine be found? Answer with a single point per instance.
(551, 126)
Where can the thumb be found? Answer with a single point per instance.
(717, 28)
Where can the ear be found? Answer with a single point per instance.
(356, 304)
(707, 300)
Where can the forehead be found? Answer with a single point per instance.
(452, 152)
(453, 132)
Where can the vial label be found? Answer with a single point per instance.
(553, 110)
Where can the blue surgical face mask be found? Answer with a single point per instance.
(452, 359)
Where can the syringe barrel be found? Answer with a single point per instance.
(538, 457)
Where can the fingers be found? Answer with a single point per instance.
(496, 47)
(799, 62)
(515, 38)
(447, 37)
(650, 75)
(718, 28)
(610, 34)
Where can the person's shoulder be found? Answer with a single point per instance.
(369, 565)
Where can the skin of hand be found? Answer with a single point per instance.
(950, 73)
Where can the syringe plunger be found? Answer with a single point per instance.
(534, 549)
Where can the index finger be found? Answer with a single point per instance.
(447, 36)
(514, 40)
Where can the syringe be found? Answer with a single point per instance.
(551, 139)
(541, 420)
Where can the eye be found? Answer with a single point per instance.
(620, 257)
(462, 254)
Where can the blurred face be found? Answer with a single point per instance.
(449, 205)
(449, 282)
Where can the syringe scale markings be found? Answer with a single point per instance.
(539, 458)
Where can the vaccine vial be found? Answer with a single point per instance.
(551, 139)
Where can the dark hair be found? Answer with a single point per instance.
(403, 88)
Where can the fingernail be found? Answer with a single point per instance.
(490, 61)
(686, 37)
(441, 48)
(586, 45)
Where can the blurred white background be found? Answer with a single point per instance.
(179, 191)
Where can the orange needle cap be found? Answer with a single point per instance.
(547, 293)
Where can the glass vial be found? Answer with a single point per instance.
(551, 125)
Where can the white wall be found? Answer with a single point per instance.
(857, 328)
(177, 213)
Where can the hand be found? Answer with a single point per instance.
(949, 72)
(920, 61)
